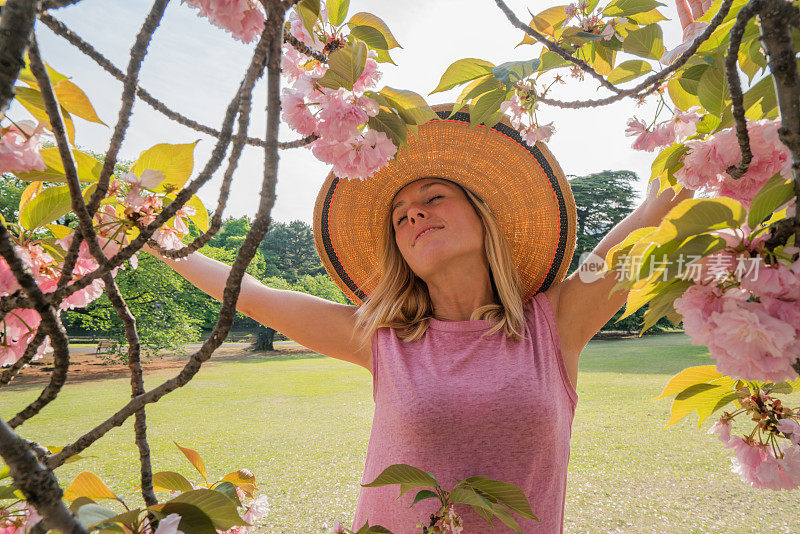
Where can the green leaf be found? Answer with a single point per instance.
(219, 508)
(468, 495)
(392, 125)
(9, 492)
(50, 204)
(308, 11)
(506, 493)
(486, 108)
(712, 91)
(228, 489)
(626, 8)
(505, 516)
(409, 476)
(170, 481)
(771, 196)
(629, 70)
(550, 60)
(337, 10)
(661, 305)
(94, 514)
(175, 161)
(513, 71)
(345, 66)
(371, 36)
(193, 519)
(411, 107)
(384, 57)
(463, 71)
(368, 19)
(424, 494)
(645, 42)
(88, 167)
(701, 215)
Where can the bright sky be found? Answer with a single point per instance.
(195, 68)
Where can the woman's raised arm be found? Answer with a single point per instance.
(321, 325)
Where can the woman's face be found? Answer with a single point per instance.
(442, 204)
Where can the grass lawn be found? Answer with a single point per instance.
(301, 424)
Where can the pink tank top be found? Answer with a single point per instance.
(458, 405)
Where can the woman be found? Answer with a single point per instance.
(472, 337)
(455, 256)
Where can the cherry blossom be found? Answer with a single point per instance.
(705, 164)
(242, 18)
(20, 148)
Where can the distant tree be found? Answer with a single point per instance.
(11, 189)
(290, 249)
(602, 200)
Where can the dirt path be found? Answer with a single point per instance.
(85, 365)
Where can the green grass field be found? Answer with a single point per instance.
(301, 424)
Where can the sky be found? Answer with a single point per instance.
(195, 68)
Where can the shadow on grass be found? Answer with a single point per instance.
(267, 356)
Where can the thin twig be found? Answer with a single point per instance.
(735, 87)
(647, 86)
(59, 28)
(137, 386)
(270, 40)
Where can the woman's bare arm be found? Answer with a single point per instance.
(321, 325)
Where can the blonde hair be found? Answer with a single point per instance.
(401, 300)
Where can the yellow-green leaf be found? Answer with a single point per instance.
(629, 70)
(368, 19)
(87, 166)
(31, 100)
(200, 218)
(690, 376)
(175, 161)
(89, 485)
(337, 10)
(74, 100)
(345, 66)
(463, 71)
(195, 460)
(645, 42)
(411, 107)
(695, 216)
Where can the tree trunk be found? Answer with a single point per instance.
(264, 338)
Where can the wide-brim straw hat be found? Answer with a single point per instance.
(523, 186)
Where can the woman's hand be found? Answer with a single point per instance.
(691, 10)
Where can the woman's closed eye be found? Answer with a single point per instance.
(431, 200)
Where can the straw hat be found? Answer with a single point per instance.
(524, 188)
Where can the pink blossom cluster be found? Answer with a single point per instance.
(530, 133)
(143, 207)
(20, 148)
(20, 325)
(14, 520)
(705, 164)
(242, 18)
(750, 334)
(339, 115)
(683, 124)
(760, 464)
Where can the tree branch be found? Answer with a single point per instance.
(16, 28)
